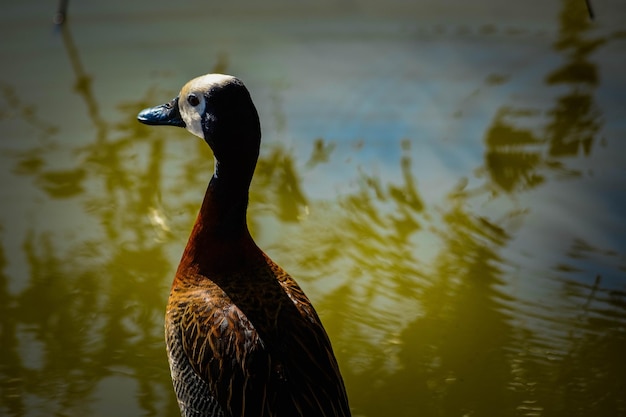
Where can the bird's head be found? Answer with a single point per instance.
(217, 108)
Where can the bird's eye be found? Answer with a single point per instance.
(193, 100)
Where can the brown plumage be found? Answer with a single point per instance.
(242, 337)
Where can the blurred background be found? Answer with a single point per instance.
(445, 179)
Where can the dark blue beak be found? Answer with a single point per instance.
(165, 114)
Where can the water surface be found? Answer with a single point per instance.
(446, 181)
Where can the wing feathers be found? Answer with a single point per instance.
(262, 353)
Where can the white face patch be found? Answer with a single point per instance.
(192, 101)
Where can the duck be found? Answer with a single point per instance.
(242, 338)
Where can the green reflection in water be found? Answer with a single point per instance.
(438, 335)
(517, 157)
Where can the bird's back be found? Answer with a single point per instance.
(249, 343)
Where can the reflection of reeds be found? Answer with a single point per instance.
(16, 107)
(60, 17)
(519, 158)
(83, 84)
(434, 335)
(411, 334)
(12, 367)
(592, 15)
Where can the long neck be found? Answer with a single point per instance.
(226, 202)
(220, 240)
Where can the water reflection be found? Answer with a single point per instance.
(11, 383)
(415, 294)
(519, 158)
(91, 311)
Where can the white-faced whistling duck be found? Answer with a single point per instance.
(242, 338)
